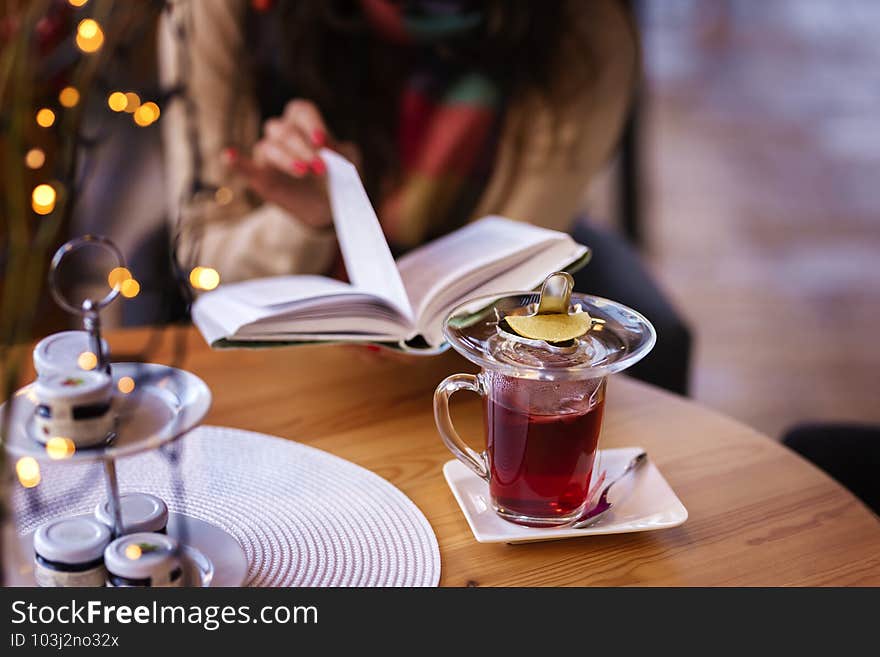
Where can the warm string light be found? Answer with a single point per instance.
(28, 471)
(132, 102)
(88, 28)
(125, 385)
(59, 447)
(204, 278)
(89, 35)
(120, 277)
(43, 199)
(146, 114)
(87, 360)
(69, 97)
(117, 101)
(143, 114)
(117, 276)
(45, 117)
(194, 276)
(77, 3)
(130, 288)
(35, 158)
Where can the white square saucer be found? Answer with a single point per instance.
(648, 503)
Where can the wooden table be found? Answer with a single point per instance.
(759, 515)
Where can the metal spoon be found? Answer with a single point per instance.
(603, 506)
(556, 294)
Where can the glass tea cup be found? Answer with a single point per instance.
(542, 402)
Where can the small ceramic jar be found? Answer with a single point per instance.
(77, 406)
(141, 512)
(144, 559)
(60, 353)
(70, 552)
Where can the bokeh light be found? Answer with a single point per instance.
(117, 276)
(117, 101)
(125, 385)
(68, 97)
(146, 114)
(204, 278)
(87, 360)
(130, 288)
(28, 471)
(77, 3)
(43, 198)
(89, 35)
(132, 102)
(59, 447)
(88, 28)
(45, 118)
(35, 158)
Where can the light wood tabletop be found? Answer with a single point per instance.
(759, 515)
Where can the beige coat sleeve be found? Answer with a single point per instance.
(548, 156)
(235, 234)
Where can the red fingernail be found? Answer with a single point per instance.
(319, 137)
(299, 168)
(319, 167)
(229, 154)
(373, 348)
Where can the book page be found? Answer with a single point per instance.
(283, 290)
(368, 260)
(292, 304)
(446, 266)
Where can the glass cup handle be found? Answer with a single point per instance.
(460, 449)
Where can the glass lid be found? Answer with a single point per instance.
(617, 338)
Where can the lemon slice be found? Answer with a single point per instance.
(556, 327)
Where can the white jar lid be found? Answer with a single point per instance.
(60, 352)
(71, 540)
(141, 512)
(75, 387)
(142, 556)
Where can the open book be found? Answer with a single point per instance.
(403, 302)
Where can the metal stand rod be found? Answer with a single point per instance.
(92, 324)
(113, 496)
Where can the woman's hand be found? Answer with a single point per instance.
(285, 168)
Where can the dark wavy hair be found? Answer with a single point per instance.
(325, 51)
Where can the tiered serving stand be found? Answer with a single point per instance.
(164, 405)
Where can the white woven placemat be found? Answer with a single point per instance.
(304, 517)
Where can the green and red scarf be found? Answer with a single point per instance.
(448, 120)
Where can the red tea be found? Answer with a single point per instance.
(541, 465)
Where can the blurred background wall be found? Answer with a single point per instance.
(762, 155)
(758, 148)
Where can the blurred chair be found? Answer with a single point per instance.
(629, 180)
(629, 172)
(617, 272)
(848, 452)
